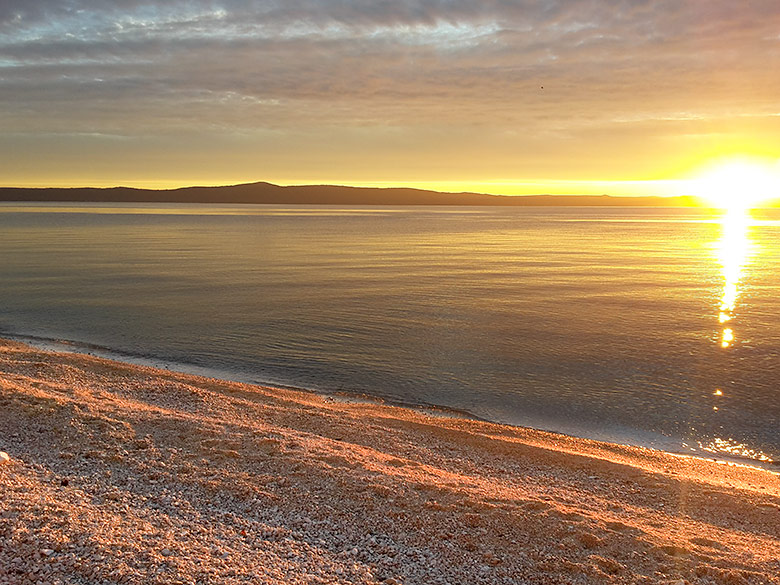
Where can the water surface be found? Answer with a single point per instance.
(652, 326)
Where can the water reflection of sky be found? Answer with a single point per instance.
(599, 322)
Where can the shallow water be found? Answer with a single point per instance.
(606, 323)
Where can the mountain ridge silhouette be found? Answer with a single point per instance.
(268, 193)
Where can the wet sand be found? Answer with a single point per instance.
(120, 473)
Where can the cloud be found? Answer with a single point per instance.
(145, 68)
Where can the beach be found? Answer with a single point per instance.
(120, 473)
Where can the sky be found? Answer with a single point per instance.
(577, 96)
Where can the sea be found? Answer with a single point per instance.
(648, 326)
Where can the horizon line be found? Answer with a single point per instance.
(383, 186)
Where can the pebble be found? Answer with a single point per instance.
(228, 522)
(4, 458)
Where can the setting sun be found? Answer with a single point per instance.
(738, 183)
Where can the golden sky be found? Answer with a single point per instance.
(620, 97)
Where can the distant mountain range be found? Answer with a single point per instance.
(325, 194)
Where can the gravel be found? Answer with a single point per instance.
(125, 474)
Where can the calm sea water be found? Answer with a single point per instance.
(651, 326)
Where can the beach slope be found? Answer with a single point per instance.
(127, 474)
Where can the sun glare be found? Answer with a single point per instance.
(738, 184)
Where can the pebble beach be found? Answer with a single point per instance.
(118, 473)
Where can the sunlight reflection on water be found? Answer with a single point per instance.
(734, 251)
(734, 448)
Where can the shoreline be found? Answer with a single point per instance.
(89, 349)
(129, 474)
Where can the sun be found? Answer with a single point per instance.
(737, 183)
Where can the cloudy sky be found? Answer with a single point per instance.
(494, 95)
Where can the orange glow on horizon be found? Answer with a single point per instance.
(739, 181)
